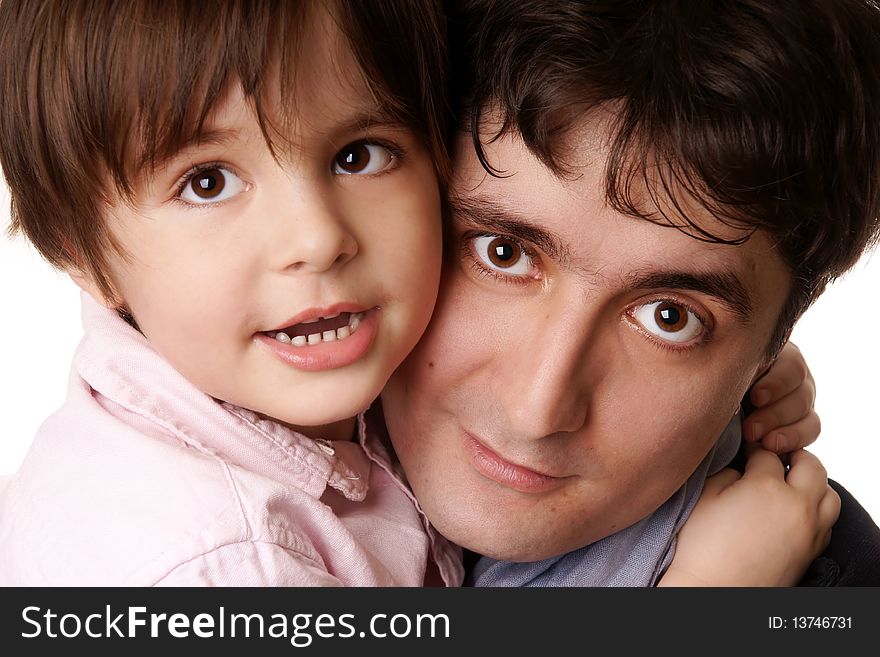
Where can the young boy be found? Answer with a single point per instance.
(253, 190)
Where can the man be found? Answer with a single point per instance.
(654, 193)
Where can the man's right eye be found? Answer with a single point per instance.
(502, 255)
(500, 258)
(211, 184)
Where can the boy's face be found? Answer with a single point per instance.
(580, 363)
(338, 247)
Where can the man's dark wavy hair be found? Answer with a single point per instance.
(764, 112)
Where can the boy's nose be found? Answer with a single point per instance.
(316, 237)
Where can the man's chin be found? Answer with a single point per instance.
(514, 542)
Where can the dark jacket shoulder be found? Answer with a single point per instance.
(852, 558)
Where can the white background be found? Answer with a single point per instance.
(839, 336)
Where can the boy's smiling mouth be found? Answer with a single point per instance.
(329, 328)
(324, 338)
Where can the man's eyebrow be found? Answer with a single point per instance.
(485, 215)
(724, 286)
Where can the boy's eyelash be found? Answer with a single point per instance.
(395, 150)
(398, 153)
(191, 173)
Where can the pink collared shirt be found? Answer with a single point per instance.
(140, 479)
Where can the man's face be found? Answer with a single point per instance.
(580, 363)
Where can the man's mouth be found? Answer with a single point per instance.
(331, 328)
(498, 469)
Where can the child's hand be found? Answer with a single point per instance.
(761, 529)
(784, 396)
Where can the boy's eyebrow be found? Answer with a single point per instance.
(725, 286)
(483, 214)
(210, 137)
(368, 119)
(224, 136)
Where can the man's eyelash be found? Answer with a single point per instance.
(495, 275)
(665, 345)
(477, 266)
(660, 298)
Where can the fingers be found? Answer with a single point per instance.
(793, 436)
(718, 482)
(783, 413)
(788, 373)
(763, 463)
(829, 510)
(808, 475)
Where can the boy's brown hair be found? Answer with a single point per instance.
(97, 91)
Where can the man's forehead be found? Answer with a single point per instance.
(568, 218)
(645, 184)
(528, 187)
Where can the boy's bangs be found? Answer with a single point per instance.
(193, 62)
(257, 45)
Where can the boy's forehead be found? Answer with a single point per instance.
(235, 121)
(325, 95)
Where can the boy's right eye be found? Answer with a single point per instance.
(363, 158)
(211, 184)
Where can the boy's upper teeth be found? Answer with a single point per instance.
(299, 336)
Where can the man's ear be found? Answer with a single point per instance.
(762, 370)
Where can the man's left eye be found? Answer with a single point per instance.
(669, 321)
(362, 158)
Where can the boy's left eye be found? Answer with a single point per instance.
(362, 158)
(211, 185)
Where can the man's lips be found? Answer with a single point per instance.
(494, 467)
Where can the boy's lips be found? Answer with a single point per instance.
(312, 315)
(324, 339)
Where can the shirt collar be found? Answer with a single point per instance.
(119, 362)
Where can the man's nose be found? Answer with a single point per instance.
(549, 380)
(315, 233)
